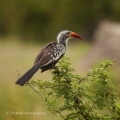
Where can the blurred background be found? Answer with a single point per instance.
(27, 25)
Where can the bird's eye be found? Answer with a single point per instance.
(67, 34)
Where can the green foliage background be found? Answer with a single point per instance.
(43, 19)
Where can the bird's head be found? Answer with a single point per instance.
(65, 35)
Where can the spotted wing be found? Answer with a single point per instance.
(39, 56)
(52, 54)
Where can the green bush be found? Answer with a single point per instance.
(73, 97)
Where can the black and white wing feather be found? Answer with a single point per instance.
(49, 56)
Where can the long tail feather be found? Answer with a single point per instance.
(26, 77)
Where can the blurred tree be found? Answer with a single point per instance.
(42, 19)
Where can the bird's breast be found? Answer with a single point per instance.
(58, 52)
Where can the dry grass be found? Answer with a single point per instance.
(19, 57)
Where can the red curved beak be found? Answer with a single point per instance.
(73, 34)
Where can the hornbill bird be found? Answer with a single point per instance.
(49, 55)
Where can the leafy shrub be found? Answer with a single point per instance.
(73, 97)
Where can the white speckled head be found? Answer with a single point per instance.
(63, 36)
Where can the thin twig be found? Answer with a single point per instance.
(19, 74)
(36, 90)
